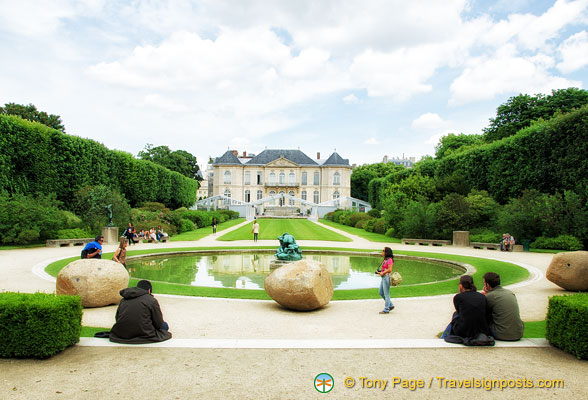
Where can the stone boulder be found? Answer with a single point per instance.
(98, 282)
(569, 270)
(303, 285)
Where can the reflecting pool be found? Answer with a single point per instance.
(248, 270)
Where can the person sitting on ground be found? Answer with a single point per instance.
(502, 310)
(469, 318)
(93, 249)
(138, 317)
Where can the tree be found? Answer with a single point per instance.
(31, 113)
(180, 160)
(362, 175)
(90, 204)
(453, 143)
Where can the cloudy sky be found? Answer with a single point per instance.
(367, 78)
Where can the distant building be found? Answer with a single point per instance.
(203, 188)
(407, 162)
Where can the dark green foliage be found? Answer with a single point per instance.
(562, 242)
(180, 161)
(35, 159)
(453, 143)
(364, 174)
(75, 233)
(488, 237)
(31, 113)
(419, 220)
(567, 324)
(90, 203)
(38, 325)
(186, 226)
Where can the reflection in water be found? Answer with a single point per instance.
(248, 271)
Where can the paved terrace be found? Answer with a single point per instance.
(226, 348)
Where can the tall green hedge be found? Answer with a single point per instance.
(567, 324)
(38, 325)
(548, 156)
(37, 159)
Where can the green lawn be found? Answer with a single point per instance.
(207, 230)
(534, 329)
(270, 229)
(372, 237)
(508, 272)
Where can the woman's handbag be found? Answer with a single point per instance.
(395, 279)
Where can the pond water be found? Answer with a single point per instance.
(248, 271)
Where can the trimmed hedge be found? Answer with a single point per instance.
(567, 324)
(38, 325)
(37, 159)
(562, 242)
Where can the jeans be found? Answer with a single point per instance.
(385, 292)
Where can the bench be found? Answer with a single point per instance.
(67, 242)
(162, 240)
(426, 242)
(487, 246)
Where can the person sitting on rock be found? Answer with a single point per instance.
(93, 249)
(138, 317)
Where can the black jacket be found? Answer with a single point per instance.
(138, 319)
(471, 307)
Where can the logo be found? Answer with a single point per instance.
(324, 383)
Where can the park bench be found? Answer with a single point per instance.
(427, 242)
(163, 239)
(487, 246)
(67, 242)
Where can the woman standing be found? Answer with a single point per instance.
(384, 271)
(120, 255)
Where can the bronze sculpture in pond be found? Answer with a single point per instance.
(288, 250)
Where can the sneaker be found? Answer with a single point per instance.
(384, 312)
(392, 308)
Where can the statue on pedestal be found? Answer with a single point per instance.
(109, 214)
(288, 250)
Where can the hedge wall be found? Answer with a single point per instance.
(567, 324)
(38, 325)
(37, 159)
(548, 156)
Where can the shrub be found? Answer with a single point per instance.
(229, 213)
(562, 242)
(355, 217)
(361, 224)
(381, 226)
(567, 323)
(75, 233)
(153, 206)
(187, 226)
(90, 203)
(487, 237)
(374, 213)
(27, 236)
(38, 325)
(391, 232)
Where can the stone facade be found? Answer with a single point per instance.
(253, 177)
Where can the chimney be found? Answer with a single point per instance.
(244, 154)
(235, 152)
(318, 155)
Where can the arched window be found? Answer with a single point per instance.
(272, 178)
(304, 178)
(291, 201)
(316, 178)
(227, 193)
(336, 179)
(316, 196)
(272, 201)
(247, 196)
(335, 195)
(304, 195)
(291, 178)
(227, 177)
(282, 178)
(259, 194)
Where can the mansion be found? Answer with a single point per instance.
(248, 178)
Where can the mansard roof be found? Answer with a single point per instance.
(336, 159)
(267, 156)
(227, 158)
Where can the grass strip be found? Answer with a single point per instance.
(270, 229)
(371, 236)
(534, 329)
(207, 230)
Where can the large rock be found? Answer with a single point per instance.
(98, 282)
(302, 285)
(569, 270)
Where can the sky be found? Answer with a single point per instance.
(364, 78)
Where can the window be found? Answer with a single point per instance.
(259, 194)
(304, 178)
(227, 177)
(248, 178)
(337, 179)
(291, 178)
(316, 178)
(247, 196)
(259, 180)
(304, 195)
(316, 196)
(281, 199)
(282, 178)
(335, 195)
(228, 194)
(272, 178)
(291, 201)
(272, 201)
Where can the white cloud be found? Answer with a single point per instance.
(350, 99)
(371, 141)
(428, 122)
(574, 53)
(434, 139)
(164, 103)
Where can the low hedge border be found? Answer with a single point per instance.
(567, 323)
(38, 325)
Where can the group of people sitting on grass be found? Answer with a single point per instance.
(507, 243)
(479, 318)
